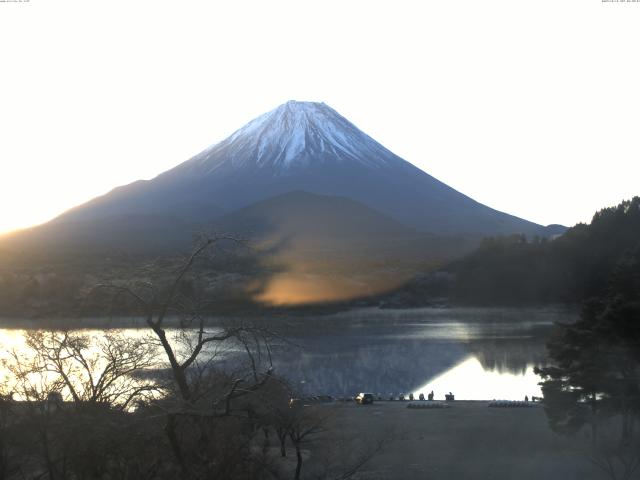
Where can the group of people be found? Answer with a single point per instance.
(420, 397)
(448, 396)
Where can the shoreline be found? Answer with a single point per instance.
(292, 318)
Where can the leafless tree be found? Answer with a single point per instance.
(95, 369)
(72, 391)
(334, 454)
(224, 391)
(178, 299)
(305, 426)
(192, 350)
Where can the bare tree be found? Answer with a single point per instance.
(73, 392)
(193, 349)
(97, 369)
(333, 453)
(304, 427)
(179, 299)
(224, 391)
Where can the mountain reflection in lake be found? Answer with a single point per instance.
(474, 353)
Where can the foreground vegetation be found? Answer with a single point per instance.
(593, 381)
(202, 402)
(193, 403)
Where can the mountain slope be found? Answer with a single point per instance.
(297, 223)
(324, 248)
(134, 233)
(310, 147)
(305, 248)
(336, 215)
(303, 224)
(313, 217)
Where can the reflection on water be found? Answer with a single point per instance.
(31, 363)
(470, 380)
(474, 353)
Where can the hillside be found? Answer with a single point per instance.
(514, 270)
(299, 146)
(329, 213)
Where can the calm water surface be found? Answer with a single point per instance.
(477, 354)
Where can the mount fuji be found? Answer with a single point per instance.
(297, 147)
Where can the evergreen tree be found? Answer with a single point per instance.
(596, 361)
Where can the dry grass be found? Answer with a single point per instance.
(468, 440)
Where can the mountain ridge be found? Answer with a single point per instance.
(334, 215)
(304, 146)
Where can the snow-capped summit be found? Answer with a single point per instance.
(308, 147)
(294, 135)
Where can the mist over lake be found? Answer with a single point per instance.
(475, 353)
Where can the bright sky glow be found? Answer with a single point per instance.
(528, 107)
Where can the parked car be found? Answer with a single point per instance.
(364, 398)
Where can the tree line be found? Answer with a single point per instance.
(516, 270)
(591, 384)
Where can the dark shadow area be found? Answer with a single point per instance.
(517, 270)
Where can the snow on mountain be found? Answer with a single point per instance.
(302, 146)
(294, 135)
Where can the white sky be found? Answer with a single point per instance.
(531, 107)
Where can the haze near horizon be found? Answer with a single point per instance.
(526, 119)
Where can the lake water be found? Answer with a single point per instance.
(477, 354)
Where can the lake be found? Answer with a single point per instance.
(475, 353)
